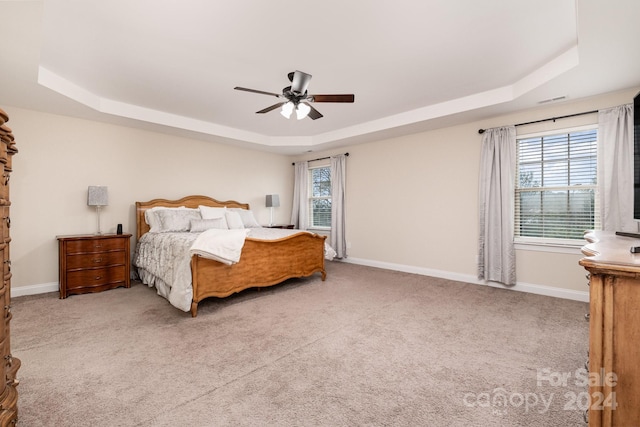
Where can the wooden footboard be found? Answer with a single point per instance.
(263, 263)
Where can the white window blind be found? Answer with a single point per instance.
(556, 189)
(320, 197)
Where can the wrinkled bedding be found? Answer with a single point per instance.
(163, 260)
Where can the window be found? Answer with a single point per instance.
(556, 195)
(320, 197)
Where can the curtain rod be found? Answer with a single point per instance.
(481, 131)
(320, 158)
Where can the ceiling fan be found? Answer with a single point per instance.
(295, 97)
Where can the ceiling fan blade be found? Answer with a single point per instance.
(313, 114)
(257, 91)
(332, 98)
(273, 107)
(300, 82)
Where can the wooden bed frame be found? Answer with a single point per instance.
(263, 263)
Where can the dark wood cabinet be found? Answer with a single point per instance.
(93, 263)
(10, 364)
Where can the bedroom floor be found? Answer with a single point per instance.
(368, 346)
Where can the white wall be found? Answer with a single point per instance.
(411, 201)
(59, 157)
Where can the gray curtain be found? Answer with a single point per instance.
(615, 168)
(496, 255)
(338, 240)
(300, 208)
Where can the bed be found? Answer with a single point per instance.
(268, 256)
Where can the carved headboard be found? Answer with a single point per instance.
(188, 201)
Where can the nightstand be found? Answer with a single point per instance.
(288, 226)
(93, 263)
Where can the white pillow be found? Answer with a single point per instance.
(209, 212)
(234, 221)
(176, 220)
(248, 220)
(151, 218)
(200, 225)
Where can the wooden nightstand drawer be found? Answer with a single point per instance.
(97, 259)
(93, 245)
(93, 263)
(95, 277)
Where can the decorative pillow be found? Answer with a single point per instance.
(248, 220)
(234, 221)
(200, 225)
(209, 212)
(176, 219)
(151, 218)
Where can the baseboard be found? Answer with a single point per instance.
(42, 288)
(549, 291)
(467, 278)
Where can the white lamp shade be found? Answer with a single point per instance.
(97, 196)
(287, 109)
(302, 111)
(273, 201)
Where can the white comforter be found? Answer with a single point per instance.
(224, 246)
(163, 260)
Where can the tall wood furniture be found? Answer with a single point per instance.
(10, 364)
(614, 329)
(93, 263)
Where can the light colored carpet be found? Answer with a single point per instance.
(367, 347)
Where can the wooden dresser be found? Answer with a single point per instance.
(10, 364)
(93, 263)
(614, 329)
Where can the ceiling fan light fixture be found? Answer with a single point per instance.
(302, 110)
(295, 97)
(287, 109)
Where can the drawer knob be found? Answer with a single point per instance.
(97, 260)
(98, 277)
(97, 245)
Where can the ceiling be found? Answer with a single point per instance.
(413, 65)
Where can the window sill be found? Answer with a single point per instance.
(319, 230)
(562, 248)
